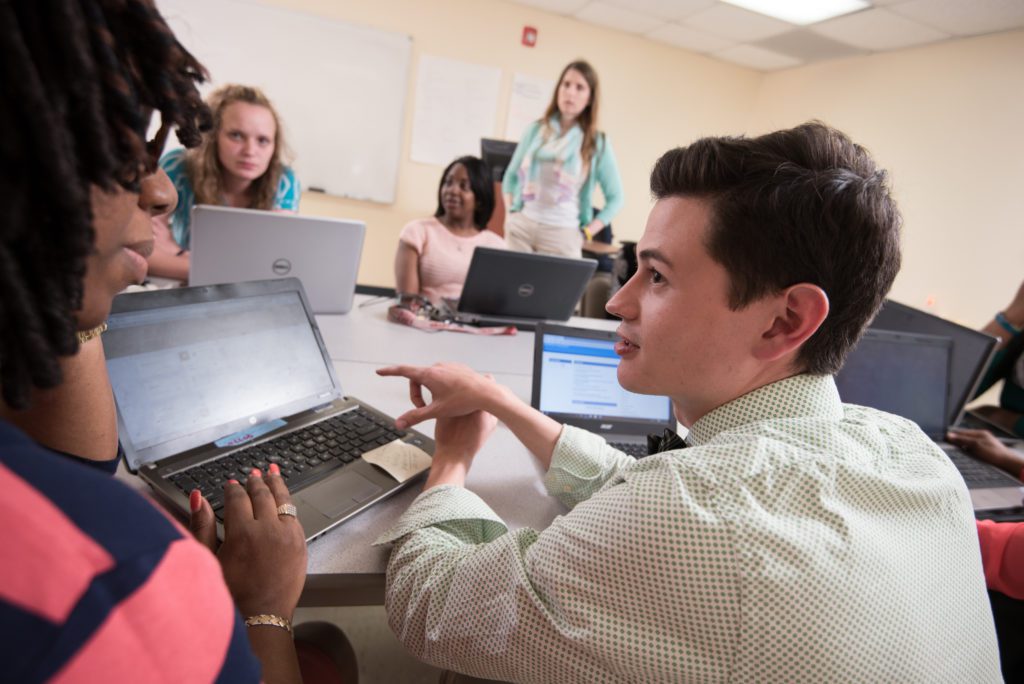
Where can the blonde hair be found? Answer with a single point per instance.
(203, 163)
(587, 118)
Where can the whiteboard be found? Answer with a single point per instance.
(339, 88)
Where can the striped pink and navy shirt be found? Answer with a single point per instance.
(96, 584)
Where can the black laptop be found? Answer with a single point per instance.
(213, 381)
(972, 352)
(575, 382)
(505, 287)
(909, 375)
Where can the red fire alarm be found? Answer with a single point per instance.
(529, 36)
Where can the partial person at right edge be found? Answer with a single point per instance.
(549, 183)
(240, 163)
(1007, 365)
(434, 253)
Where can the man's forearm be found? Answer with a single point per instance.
(537, 432)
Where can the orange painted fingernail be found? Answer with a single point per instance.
(255, 473)
(275, 469)
(232, 481)
(195, 500)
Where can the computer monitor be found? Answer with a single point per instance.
(496, 155)
(972, 349)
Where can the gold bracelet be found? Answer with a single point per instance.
(269, 621)
(86, 335)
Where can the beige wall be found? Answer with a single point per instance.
(655, 97)
(944, 119)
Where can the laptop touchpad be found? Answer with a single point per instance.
(339, 494)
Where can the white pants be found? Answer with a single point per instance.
(526, 235)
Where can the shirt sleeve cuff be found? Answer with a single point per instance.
(446, 504)
(581, 464)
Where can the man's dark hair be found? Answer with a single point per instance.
(804, 205)
(482, 185)
(82, 78)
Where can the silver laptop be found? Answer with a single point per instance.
(233, 245)
(505, 287)
(212, 381)
(575, 382)
(909, 374)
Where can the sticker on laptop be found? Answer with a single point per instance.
(249, 434)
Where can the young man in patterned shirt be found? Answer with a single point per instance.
(796, 538)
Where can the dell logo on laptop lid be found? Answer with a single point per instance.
(525, 290)
(281, 267)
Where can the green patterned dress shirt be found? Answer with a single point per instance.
(796, 539)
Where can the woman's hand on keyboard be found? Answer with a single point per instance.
(983, 445)
(263, 556)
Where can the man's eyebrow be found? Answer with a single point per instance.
(654, 255)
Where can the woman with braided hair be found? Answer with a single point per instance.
(95, 583)
(240, 163)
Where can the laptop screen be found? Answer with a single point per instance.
(900, 373)
(186, 373)
(576, 381)
(971, 349)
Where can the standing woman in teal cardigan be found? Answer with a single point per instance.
(550, 181)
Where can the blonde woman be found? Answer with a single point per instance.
(239, 164)
(550, 181)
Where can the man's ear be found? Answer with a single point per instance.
(800, 311)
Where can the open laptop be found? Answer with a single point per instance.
(211, 381)
(909, 375)
(233, 245)
(575, 382)
(972, 352)
(505, 287)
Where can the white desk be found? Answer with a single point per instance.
(344, 567)
(365, 335)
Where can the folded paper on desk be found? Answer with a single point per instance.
(399, 459)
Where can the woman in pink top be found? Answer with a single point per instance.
(434, 253)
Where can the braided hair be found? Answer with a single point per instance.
(83, 78)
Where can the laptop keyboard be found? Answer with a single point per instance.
(630, 449)
(303, 456)
(977, 474)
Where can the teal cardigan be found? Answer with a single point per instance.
(603, 170)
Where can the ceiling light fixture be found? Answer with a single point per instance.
(802, 12)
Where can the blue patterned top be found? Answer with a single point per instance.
(173, 163)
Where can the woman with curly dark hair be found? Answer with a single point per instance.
(96, 583)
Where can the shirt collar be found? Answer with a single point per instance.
(799, 396)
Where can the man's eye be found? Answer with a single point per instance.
(655, 276)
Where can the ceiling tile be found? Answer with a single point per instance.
(756, 58)
(556, 6)
(665, 9)
(688, 38)
(964, 17)
(808, 46)
(619, 18)
(878, 29)
(736, 24)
